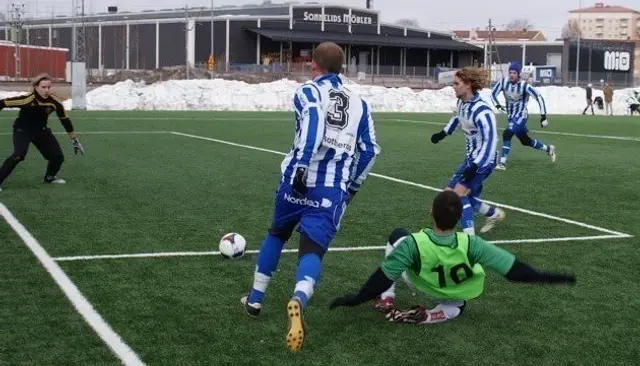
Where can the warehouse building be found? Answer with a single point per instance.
(567, 60)
(250, 37)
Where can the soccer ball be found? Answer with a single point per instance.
(232, 246)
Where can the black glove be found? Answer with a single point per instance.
(543, 121)
(352, 193)
(346, 300)
(299, 182)
(499, 107)
(436, 137)
(469, 173)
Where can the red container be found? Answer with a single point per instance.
(33, 61)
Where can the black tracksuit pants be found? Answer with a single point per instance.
(43, 140)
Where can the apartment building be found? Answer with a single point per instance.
(607, 22)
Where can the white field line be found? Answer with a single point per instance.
(435, 189)
(384, 119)
(331, 249)
(81, 304)
(609, 137)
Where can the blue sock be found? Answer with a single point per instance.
(506, 149)
(482, 207)
(268, 259)
(539, 145)
(307, 275)
(467, 216)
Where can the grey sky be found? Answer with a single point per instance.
(547, 15)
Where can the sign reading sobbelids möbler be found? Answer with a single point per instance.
(337, 18)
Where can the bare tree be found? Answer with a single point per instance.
(413, 23)
(519, 24)
(571, 30)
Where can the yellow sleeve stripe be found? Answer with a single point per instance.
(18, 102)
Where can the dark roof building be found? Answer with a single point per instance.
(249, 36)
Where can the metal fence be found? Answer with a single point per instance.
(619, 80)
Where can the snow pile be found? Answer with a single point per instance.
(228, 95)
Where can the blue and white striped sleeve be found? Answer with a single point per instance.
(307, 104)
(368, 148)
(454, 122)
(534, 93)
(485, 121)
(452, 126)
(495, 91)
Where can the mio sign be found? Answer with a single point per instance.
(617, 61)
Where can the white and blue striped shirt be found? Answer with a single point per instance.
(334, 135)
(478, 122)
(517, 96)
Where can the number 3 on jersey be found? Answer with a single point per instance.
(337, 114)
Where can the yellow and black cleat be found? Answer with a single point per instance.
(295, 332)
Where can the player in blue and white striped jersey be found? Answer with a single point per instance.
(517, 93)
(333, 152)
(478, 122)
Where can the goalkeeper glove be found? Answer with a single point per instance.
(299, 182)
(543, 121)
(436, 137)
(77, 146)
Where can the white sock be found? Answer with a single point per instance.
(305, 286)
(470, 231)
(484, 208)
(260, 281)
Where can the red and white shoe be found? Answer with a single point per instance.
(383, 305)
(417, 315)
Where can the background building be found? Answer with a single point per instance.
(272, 38)
(500, 35)
(607, 22)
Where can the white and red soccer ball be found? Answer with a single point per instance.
(232, 246)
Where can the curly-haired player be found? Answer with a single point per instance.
(478, 122)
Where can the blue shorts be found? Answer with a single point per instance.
(517, 126)
(317, 214)
(475, 185)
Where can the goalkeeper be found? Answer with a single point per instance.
(442, 263)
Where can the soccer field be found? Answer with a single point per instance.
(135, 230)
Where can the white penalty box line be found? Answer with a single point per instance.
(607, 233)
(112, 339)
(279, 119)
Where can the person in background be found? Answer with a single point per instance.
(589, 99)
(634, 103)
(607, 90)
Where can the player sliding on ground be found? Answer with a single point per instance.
(517, 93)
(319, 178)
(478, 122)
(443, 264)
